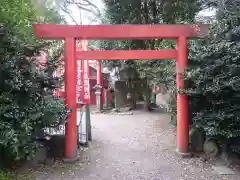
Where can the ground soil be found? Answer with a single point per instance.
(132, 147)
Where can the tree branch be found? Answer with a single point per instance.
(85, 5)
(64, 8)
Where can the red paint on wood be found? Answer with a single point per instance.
(127, 55)
(54, 31)
(99, 73)
(182, 100)
(70, 100)
(69, 33)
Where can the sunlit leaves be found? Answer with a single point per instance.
(21, 14)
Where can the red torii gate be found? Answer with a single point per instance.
(71, 33)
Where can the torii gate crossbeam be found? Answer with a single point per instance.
(71, 33)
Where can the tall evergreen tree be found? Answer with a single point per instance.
(215, 72)
(149, 12)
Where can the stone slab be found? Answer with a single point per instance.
(223, 170)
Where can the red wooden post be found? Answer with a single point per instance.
(99, 73)
(99, 87)
(127, 54)
(70, 95)
(182, 100)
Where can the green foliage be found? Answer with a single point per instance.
(215, 72)
(18, 14)
(6, 176)
(26, 102)
(151, 12)
(148, 12)
(21, 14)
(24, 110)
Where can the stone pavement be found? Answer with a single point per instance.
(133, 147)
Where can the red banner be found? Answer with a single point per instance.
(86, 86)
(85, 75)
(79, 81)
(83, 87)
(79, 76)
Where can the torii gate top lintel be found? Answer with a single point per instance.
(118, 32)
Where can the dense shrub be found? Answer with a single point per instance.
(24, 107)
(214, 69)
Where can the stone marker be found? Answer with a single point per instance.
(162, 100)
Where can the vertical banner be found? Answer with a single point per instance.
(84, 123)
(85, 75)
(79, 83)
(79, 76)
(83, 87)
(86, 96)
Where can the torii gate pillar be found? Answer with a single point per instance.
(99, 87)
(182, 100)
(70, 98)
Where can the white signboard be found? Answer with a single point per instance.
(82, 127)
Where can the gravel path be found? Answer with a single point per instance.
(133, 147)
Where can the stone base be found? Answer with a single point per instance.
(83, 144)
(90, 134)
(183, 155)
(71, 161)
